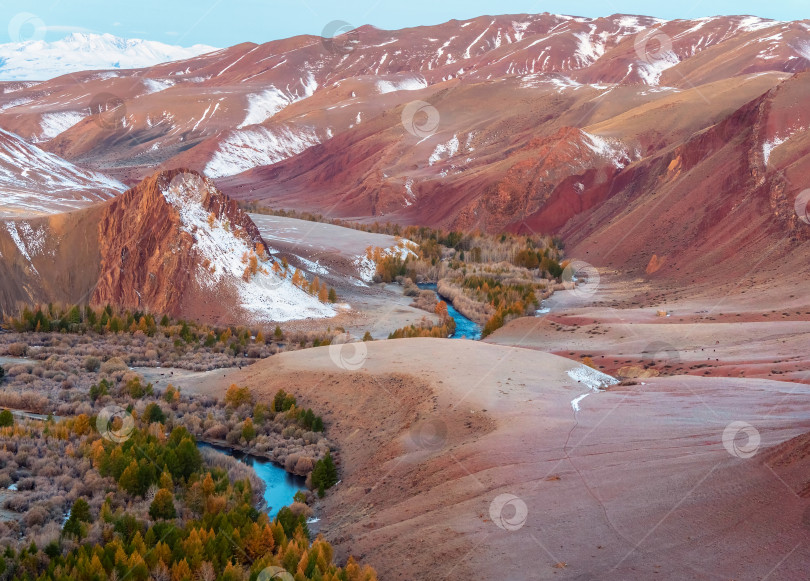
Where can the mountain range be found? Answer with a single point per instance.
(663, 147)
(38, 60)
(648, 334)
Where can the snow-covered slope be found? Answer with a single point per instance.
(262, 106)
(266, 295)
(247, 148)
(34, 182)
(40, 60)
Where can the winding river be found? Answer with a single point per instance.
(280, 485)
(465, 328)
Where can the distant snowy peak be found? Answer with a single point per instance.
(40, 60)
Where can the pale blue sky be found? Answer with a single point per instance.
(227, 22)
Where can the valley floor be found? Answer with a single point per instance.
(330, 253)
(707, 336)
(653, 480)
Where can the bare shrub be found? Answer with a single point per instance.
(304, 466)
(36, 516)
(409, 288)
(301, 509)
(114, 365)
(91, 364)
(426, 300)
(17, 349)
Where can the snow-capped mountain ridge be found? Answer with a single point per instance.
(41, 60)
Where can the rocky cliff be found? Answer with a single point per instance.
(173, 244)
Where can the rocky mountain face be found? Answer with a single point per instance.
(147, 257)
(630, 137)
(173, 244)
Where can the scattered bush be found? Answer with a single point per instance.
(17, 349)
(91, 364)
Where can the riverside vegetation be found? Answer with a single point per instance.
(145, 506)
(490, 279)
(146, 503)
(141, 339)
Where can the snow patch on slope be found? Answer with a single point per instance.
(313, 267)
(262, 106)
(157, 85)
(651, 71)
(592, 379)
(612, 150)
(269, 297)
(257, 146)
(16, 102)
(444, 150)
(589, 49)
(53, 124)
(407, 83)
(33, 181)
(769, 146)
(11, 227)
(753, 23)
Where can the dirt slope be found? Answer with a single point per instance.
(637, 484)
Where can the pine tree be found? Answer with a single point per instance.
(324, 475)
(248, 431)
(162, 507)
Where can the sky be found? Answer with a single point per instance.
(222, 23)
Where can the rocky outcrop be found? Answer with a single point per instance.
(172, 245)
(148, 259)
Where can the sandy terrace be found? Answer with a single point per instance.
(762, 333)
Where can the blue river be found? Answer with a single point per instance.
(465, 328)
(280, 485)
